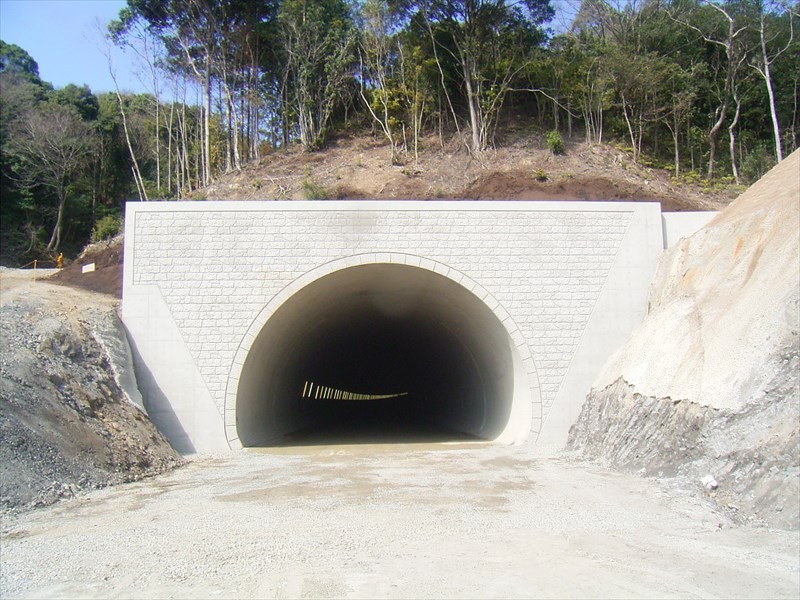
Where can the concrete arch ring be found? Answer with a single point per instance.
(525, 407)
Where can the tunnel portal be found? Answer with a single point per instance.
(487, 318)
(381, 353)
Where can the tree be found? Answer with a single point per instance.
(492, 42)
(191, 33)
(319, 41)
(51, 146)
(134, 34)
(79, 97)
(14, 60)
(720, 27)
(640, 81)
(769, 31)
(580, 66)
(682, 85)
(19, 224)
(377, 58)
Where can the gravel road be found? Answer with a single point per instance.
(392, 521)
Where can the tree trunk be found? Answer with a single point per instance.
(169, 147)
(795, 113)
(630, 129)
(158, 143)
(474, 110)
(55, 238)
(765, 73)
(732, 135)
(443, 83)
(713, 134)
(569, 119)
(674, 129)
(207, 124)
(222, 101)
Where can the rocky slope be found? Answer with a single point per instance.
(65, 421)
(707, 389)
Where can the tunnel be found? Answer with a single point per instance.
(382, 353)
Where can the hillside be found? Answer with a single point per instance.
(521, 169)
(708, 388)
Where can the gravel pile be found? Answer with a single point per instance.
(65, 423)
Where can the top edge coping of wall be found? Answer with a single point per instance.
(394, 205)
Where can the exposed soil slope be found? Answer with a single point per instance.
(710, 383)
(359, 168)
(65, 423)
(107, 276)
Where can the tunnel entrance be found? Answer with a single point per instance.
(382, 353)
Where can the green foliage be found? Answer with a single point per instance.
(314, 191)
(106, 228)
(63, 162)
(322, 37)
(79, 97)
(555, 143)
(691, 177)
(760, 160)
(540, 175)
(16, 61)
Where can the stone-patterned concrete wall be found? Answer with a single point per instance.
(215, 266)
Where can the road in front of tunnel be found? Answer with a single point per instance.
(469, 520)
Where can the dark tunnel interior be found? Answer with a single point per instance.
(377, 353)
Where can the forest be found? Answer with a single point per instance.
(707, 89)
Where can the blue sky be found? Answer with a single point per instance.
(62, 38)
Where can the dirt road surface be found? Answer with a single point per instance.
(392, 521)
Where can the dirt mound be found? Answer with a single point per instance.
(107, 276)
(65, 423)
(515, 185)
(708, 388)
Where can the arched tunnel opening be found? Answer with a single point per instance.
(382, 353)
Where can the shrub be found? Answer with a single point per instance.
(555, 142)
(757, 162)
(314, 191)
(106, 228)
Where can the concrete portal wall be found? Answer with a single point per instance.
(568, 280)
(680, 225)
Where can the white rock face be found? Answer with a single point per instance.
(707, 390)
(724, 303)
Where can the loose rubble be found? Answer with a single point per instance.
(65, 423)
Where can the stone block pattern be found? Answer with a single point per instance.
(218, 269)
